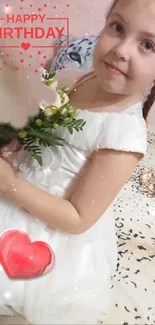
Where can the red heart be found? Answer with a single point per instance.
(25, 46)
(22, 260)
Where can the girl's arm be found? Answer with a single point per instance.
(106, 174)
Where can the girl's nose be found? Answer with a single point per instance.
(123, 51)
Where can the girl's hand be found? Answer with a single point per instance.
(7, 155)
(10, 151)
(8, 177)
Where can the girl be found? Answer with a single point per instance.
(69, 202)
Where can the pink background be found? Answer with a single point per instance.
(85, 17)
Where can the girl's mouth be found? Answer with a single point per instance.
(113, 69)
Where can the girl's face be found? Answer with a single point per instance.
(127, 44)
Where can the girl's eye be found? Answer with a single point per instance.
(148, 47)
(117, 27)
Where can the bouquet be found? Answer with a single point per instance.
(41, 130)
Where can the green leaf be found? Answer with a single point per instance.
(70, 129)
(39, 159)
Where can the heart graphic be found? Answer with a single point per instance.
(21, 259)
(25, 46)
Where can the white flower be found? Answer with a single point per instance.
(54, 109)
(45, 78)
(43, 71)
(43, 105)
(48, 111)
(52, 83)
(58, 103)
(64, 111)
(64, 97)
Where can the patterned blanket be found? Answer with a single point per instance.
(133, 284)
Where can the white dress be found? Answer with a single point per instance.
(77, 289)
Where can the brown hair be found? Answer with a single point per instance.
(151, 97)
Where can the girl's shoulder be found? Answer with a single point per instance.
(123, 131)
